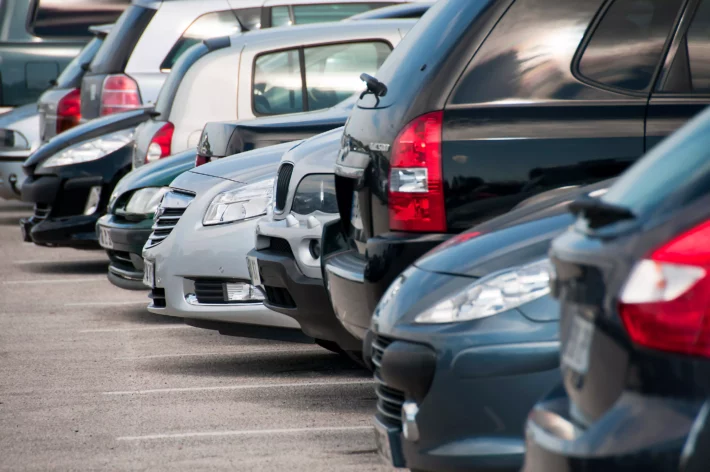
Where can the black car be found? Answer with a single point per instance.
(633, 280)
(487, 103)
(70, 179)
(465, 341)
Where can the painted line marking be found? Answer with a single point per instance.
(145, 328)
(142, 302)
(252, 432)
(54, 281)
(240, 387)
(229, 353)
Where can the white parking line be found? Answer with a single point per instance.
(226, 353)
(145, 328)
(54, 281)
(240, 387)
(245, 433)
(142, 302)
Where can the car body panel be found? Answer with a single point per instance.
(23, 120)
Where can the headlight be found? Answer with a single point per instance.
(247, 202)
(315, 192)
(492, 295)
(90, 150)
(145, 201)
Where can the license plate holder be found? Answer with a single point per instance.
(149, 273)
(253, 266)
(105, 239)
(579, 341)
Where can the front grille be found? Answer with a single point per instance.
(158, 297)
(42, 211)
(210, 291)
(281, 246)
(389, 400)
(282, 181)
(279, 296)
(169, 212)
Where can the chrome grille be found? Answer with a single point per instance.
(169, 211)
(282, 181)
(42, 211)
(389, 400)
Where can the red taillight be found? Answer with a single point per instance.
(201, 160)
(665, 304)
(119, 93)
(161, 143)
(416, 194)
(69, 111)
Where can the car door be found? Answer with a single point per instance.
(557, 95)
(683, 88)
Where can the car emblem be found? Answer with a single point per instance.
(382, 147)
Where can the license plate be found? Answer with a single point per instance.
(355, 216)
(382, 439)
(253, 265)
(149, 273)
(105, 238)
(576, 351)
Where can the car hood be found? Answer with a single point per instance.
(317, 155)
(520, 236)
(90, 130)
(247, 166)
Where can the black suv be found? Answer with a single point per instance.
(487, 103)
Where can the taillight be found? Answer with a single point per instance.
(201, 160)
(416, 194)
(69, 111)
(161, 143)
(119, 93)
(665, 304)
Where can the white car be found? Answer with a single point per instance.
(270, 72)
(195, 260)
(19, 137)
(150, 36)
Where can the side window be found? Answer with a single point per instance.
(280, 16)
(627, 44)
(278, 87)
(210, 25)
(690, 72)
(333, 72)
(306, 14)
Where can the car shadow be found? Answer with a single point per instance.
(140, 316)
(10, 206)
(68, 267)
(13, 220)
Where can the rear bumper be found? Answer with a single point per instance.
(74, 231)
(310, 308)
(357, 284)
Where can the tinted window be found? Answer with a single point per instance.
(627, 44)
(62, 18)
(210, 25)
(690, 72)
(680, 164)
(305, 14)
(117, 47)
(278, 87)
(74, 71)
(333, 72)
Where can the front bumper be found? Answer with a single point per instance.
(124, 244)
(356, 284)
(11, 178)
(302, 298)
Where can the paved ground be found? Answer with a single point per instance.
(90, 380)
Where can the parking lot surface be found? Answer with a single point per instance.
(90, 380)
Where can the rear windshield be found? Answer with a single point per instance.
(428, 42)
(73, 72)
(673, 174)
(118, 46)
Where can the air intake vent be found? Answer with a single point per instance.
(284, 178)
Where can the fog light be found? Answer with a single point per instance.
(314, 248)
(92, 203)
(243, 292)
(409, 421)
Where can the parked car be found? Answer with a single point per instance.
(406, 10)
(125, 229)
(632, 278)
(466, 340)
(252, 75)
(129, 70)
(26, 127)
(487, 103)
(286, 257)
(70, 179)
(195, 259)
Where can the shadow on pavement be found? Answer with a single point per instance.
(140, 316)
(67, 267)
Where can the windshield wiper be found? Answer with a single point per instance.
(598, 212)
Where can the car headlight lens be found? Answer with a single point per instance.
(492, 295)
(247, 202)
(145, 201)
(90, 150)
(315, 192)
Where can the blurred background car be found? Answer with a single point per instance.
(466, 340)
(633, 281)
(509, 99)
(406, 10)
(286, 259)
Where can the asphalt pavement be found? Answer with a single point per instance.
(89, 380)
